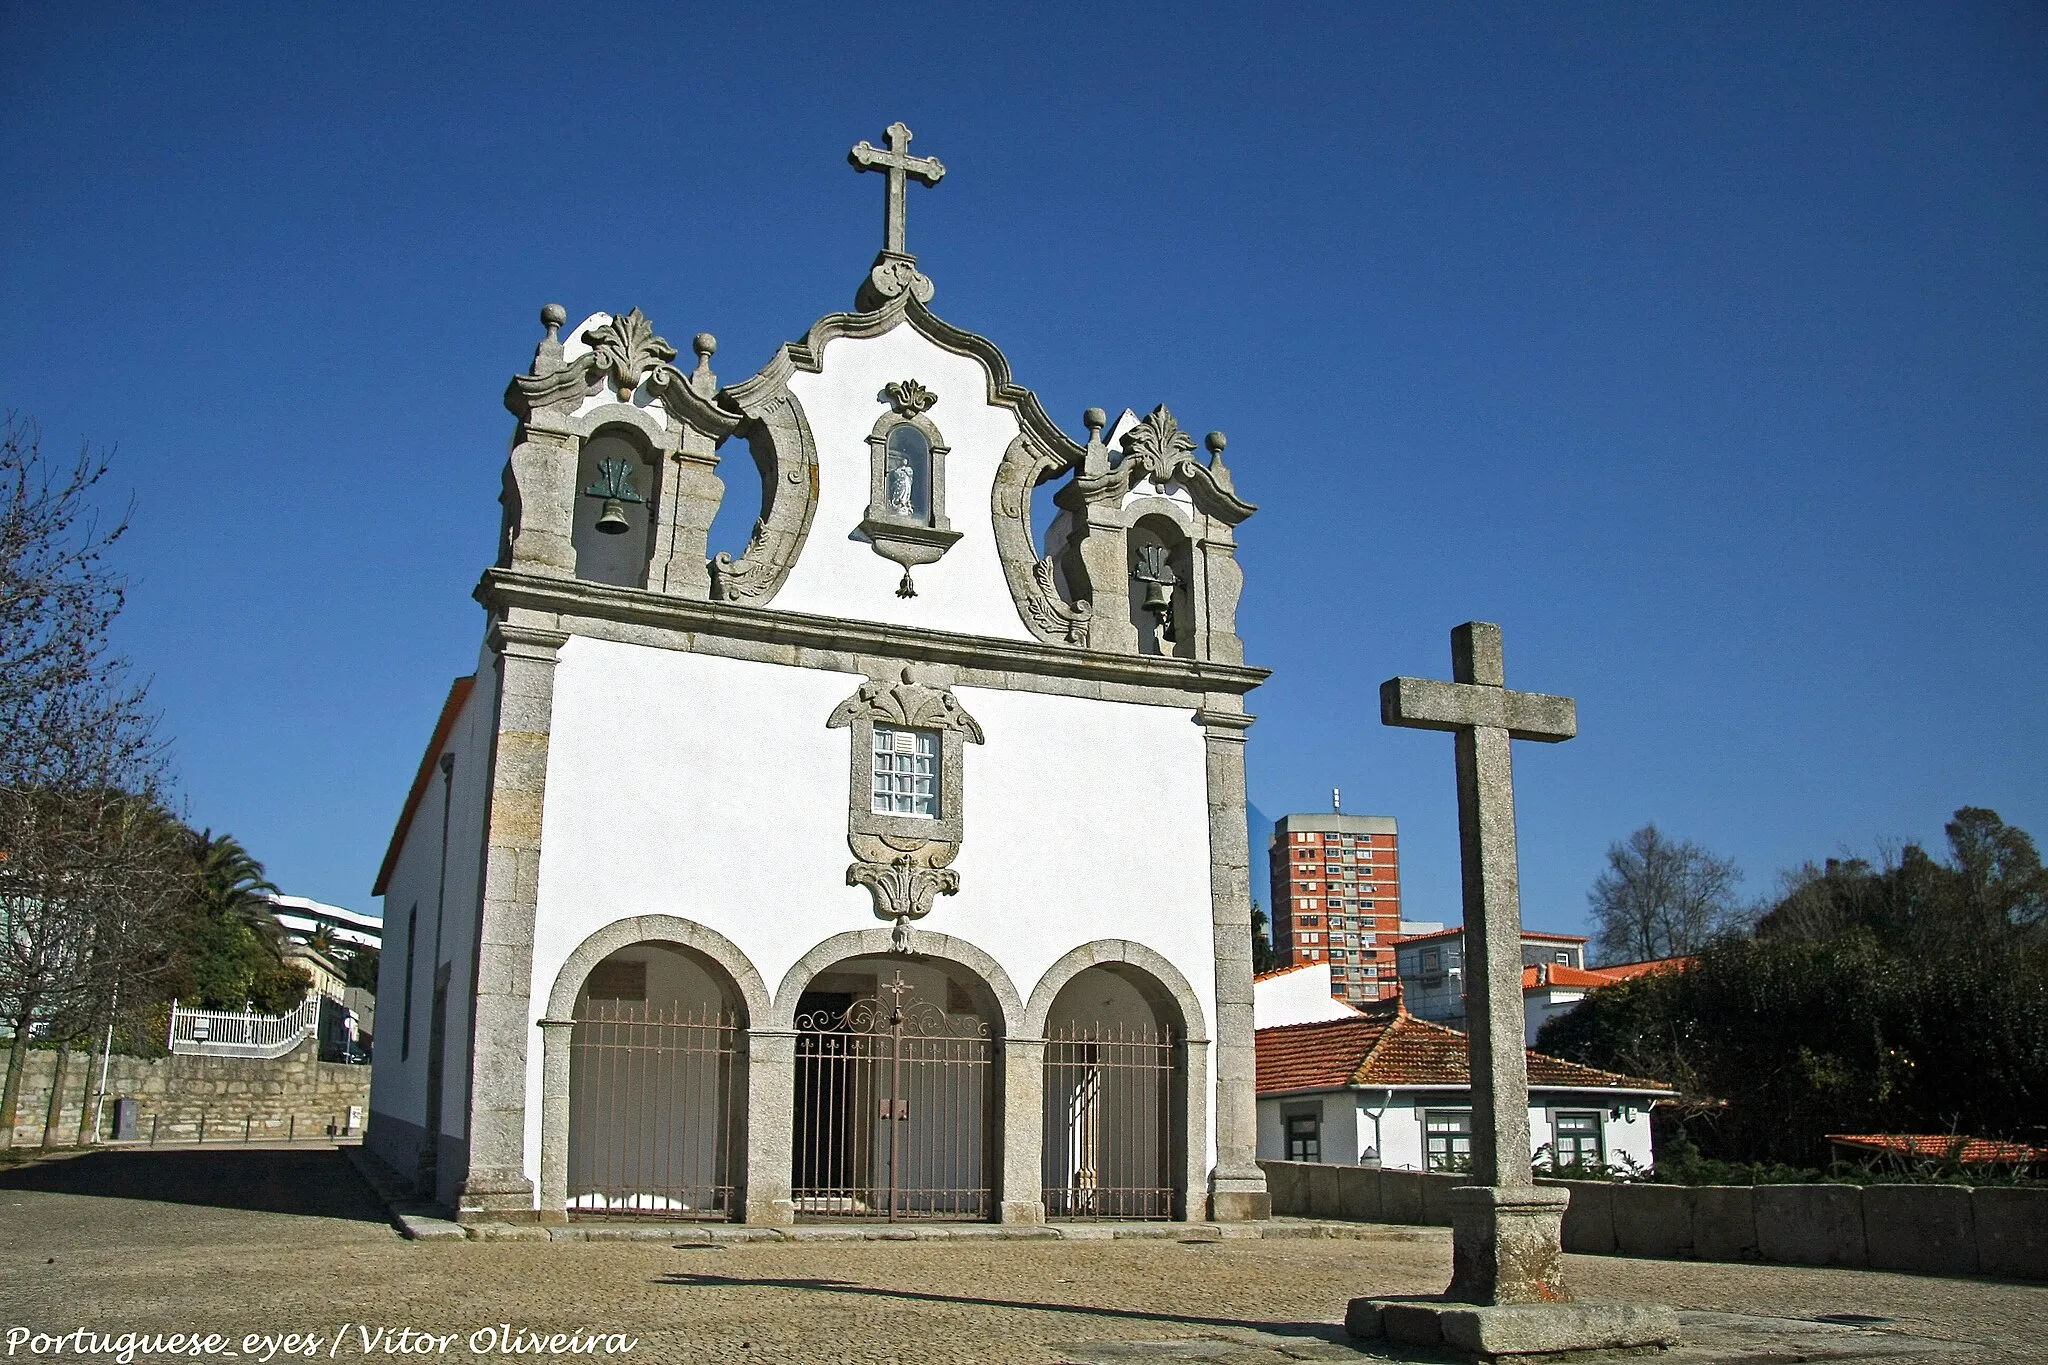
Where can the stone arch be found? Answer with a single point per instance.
(558, 1023)
(879, 942)
(1117, 951)
(684, 933)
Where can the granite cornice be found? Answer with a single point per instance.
(502, 590)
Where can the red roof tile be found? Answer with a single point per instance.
(1969, 1151)
(1622, 971)
(1395, 1049)
(1557, 974)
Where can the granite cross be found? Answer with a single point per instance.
(902, 167)
(1484, 716)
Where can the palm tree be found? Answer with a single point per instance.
(231, 883)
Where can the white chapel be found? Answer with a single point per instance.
(895, 869)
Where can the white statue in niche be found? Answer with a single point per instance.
(899, 491)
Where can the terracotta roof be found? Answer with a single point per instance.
(1395, 1049)
(1969, 1151)
(1622, 971)
(1556, 974)
(458, 693)
(1282, 971)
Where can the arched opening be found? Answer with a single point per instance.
(1161, 580)
(1115, 1098)
(613, 528)
(907, 474)
(657, 1087)
(896, 1086)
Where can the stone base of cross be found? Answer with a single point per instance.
(1507, 1291)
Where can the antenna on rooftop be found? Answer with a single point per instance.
(1337, 800)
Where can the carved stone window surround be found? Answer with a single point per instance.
(903, 859)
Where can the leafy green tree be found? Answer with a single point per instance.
(361, 969)
(1907, 997)
(231, 942)
(1264, 956)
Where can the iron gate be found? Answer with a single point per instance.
(653, 1121)
(1110, 1121)
(893, 1110)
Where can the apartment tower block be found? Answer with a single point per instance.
(1336, 895)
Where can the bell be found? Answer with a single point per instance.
(612, 520)
(1158, 598)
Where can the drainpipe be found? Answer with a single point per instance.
(1379, 1151)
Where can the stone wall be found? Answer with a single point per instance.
(296, 1095)
(1931, 1229)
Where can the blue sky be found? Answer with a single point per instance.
(1703, 347)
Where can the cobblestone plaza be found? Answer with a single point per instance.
(237, 1241)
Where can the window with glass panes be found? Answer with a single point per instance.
(906, 772)
(1304, 1137)
(1578, 1139)
(1446, 1138)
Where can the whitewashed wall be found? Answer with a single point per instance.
(839, 574)
(398, 1084)
(1084, 819)
(1299, 996)
(1348, 1125)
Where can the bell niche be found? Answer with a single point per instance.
(1160, 580)
(613, 526)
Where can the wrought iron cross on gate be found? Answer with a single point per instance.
(902, 168)
(1478, 708)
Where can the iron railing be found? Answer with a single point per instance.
(1110, 1140)
(894, 1112)
(654, 1111)
(231, 1033)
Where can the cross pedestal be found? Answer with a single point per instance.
(1507, 1251)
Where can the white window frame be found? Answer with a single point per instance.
(905, 771)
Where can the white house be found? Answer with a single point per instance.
(1391, 1088)
(1296, 995)
(894, 868)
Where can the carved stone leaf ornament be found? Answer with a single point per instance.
(627, 349)
(1157, 446)
(908, 703)
(910, 397)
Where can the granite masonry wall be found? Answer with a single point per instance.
(295, 1095)
(1930, 1229)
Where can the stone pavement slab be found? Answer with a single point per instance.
(295, 1241)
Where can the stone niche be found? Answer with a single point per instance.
(612, 528)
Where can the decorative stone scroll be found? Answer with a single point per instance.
(903, 860)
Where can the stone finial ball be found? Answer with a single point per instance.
(1095, 419)
(1215, 440)
(553, 315)
(704, 344)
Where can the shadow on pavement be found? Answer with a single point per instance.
(1318, 1330)
(317, 1183)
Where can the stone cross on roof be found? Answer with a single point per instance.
(902, 167)
(1505, 1238)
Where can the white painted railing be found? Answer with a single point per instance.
(229, 1033)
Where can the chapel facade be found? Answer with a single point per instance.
(895, 868)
